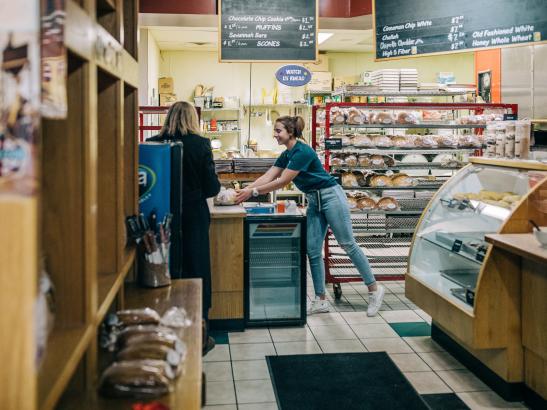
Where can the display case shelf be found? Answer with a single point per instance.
(345, 92)
(453, 252)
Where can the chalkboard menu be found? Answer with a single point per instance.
(413, 27)
(268, 30)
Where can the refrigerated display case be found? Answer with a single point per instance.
(275, 270)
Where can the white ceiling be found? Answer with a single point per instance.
(206, 38)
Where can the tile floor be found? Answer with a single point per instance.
(238, 376)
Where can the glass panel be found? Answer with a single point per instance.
(449, 246)
(274, 271)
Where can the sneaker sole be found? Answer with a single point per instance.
(318, 311)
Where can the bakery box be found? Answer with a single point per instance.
(167, 99)
(165, 85)
(320, 81)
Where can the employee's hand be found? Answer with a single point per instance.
(243, 195)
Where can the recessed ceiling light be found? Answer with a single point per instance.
(324, 37)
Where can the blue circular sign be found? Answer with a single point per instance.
(293, 75)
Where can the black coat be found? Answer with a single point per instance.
(200, 182)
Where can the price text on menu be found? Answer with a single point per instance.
(414, 27)
(266, 30)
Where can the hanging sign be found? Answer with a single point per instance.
(293, 75)
(266, 30)
(406, 28)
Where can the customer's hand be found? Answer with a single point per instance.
(243, 195)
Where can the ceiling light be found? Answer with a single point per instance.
(324, 37)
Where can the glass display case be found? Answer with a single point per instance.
(449, 248)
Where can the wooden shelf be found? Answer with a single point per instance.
(524, 244)
(185, 293)
(65, 350)
(109, 285)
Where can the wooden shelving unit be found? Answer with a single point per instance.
(88, 185)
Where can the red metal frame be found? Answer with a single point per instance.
(143, 110)
(477, 108)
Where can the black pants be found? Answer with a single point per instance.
(196, 259)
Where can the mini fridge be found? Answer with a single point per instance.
(275, 270)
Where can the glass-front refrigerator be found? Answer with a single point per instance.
(275, 270)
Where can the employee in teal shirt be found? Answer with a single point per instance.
(327, 206)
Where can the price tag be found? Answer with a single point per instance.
(480, 256)
(333, 143)
(510, 117)
(470, 297)
(457, 246)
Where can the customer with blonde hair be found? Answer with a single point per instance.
(199, 182)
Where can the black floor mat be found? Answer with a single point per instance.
(447, 401)
(341, 381)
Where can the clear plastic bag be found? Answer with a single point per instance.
(134, 379)
(145, 316)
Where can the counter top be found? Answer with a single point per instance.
(522, 244)
(220, 212)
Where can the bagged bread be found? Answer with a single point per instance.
(226, 197)
(337, 116)
(362, 141)
(382, 141)
(352, 203)
(355, 116)
(349, 180)
(446, 141)
(402, 180)
(387, 204)
(351, 160)
(154, 351)
(337, 160)
(425, 141)
(365, 161)
(366, 203)
(377, 161)
(384, 118)
(170, 341)
(140, 330)
(144, 316)
(379, 180)
(405, 117)
(135, 379)
(402, 142)
(469, 141)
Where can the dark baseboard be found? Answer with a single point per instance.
(235, 325)
(534, 400)
(509, 391)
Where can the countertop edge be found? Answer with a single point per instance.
(513, 243)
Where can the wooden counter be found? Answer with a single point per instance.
(522, 244)
(533, 304)
(227, 251)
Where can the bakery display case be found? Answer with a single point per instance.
(472, 290)
(391, 158)
(449, 246)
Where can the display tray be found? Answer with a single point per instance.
(466, 278)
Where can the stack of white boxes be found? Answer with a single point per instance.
(386, 80)
(409, 80)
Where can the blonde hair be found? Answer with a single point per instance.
(181, 118)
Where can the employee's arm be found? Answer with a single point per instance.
(273, 173)
(286, 176)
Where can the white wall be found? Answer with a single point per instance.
(190, 68)
(149, 68)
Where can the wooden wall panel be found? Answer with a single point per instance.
(226, 305)
(226, 237)
(108, 115)
(63, 201)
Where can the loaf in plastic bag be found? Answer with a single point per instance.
(134, 379)
(144, 316)
(226, 197)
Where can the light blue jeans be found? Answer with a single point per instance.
(331, 209)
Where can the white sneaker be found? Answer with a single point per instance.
(318, 306)
(375, 300)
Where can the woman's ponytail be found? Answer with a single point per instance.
(294, 125)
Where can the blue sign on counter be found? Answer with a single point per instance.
(293, 75)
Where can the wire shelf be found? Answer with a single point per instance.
(411, 126)
(403, 151)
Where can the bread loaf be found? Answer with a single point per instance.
(144, 316)
(387, 204)
(362, 141)
(135, 380)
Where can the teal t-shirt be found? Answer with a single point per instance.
(312, 175)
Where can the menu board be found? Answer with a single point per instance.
(266, 30)
(407, 28)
